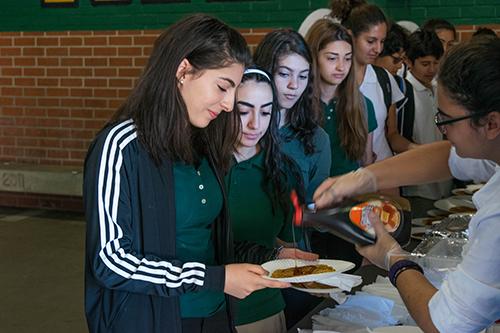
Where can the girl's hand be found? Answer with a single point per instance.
(244, 279)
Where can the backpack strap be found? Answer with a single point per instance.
(385, 84)
(406, 109)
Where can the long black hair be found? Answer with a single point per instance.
(156, 105)
(303, 117)
(422, 43)
(281, 172)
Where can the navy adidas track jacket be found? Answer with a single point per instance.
(132, 278)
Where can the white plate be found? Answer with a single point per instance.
(425, 221)
(437, 212)
(398, 329)
(452, 202)
(340, 266)
(418, 232)
(473, 188)
(461, 192)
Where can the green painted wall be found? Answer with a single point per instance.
(28, 15)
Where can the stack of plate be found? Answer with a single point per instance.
(452, 206)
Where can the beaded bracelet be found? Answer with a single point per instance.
(401, 266)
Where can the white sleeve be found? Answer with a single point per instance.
(469, 168)
(469, 298)
(397, 95)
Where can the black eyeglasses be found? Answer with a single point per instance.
(396, 60)
(441, 119)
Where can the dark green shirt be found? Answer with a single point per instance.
(340, 162)
(198, 201)
(253, 220)
(314, 168)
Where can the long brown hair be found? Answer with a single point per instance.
(303, 116)
(157, 107)
(351, 114)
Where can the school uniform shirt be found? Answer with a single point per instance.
(426, 131)
(469, 298)
(254, 220)
(370, 87)
(198, 201)
(340, 162)
(315, 168)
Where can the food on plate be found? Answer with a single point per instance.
(311, 285)
(302, 270)
(462, 209)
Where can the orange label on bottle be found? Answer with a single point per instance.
(388, 213)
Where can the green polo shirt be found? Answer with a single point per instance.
(198, 201)
(253, 220)
(340, 162)
(314, 168)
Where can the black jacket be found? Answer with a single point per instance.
(132, 276)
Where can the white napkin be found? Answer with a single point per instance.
(359, 311)
(338, 296)
(343, 281)
(383, 287)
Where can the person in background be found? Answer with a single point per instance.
(393, 55)
(348, 117)
(368, 27)
(285, 54)
(423, 57)
(158, 245)
(393, 58)
(484, 32)
(259, 185)
(469, 114)
(444, 30)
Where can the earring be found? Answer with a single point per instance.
(181, 81)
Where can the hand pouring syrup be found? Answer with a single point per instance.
(350, 221)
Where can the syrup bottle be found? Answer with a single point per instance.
(350, 222)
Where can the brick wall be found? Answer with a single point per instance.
(57, 89)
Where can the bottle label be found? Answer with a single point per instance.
(388, 213)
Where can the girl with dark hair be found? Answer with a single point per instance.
(368, 27)
(348, 118)
(285, 55)
(259, 185)
(158, 248)
(444, 30)
(469, 114)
